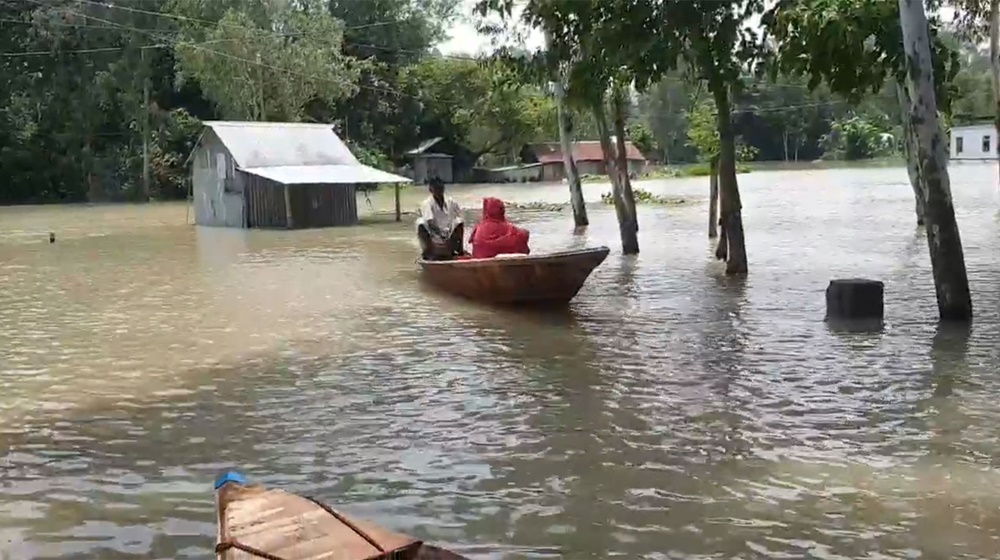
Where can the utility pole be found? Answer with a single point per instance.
(145, 127)
(260, 87)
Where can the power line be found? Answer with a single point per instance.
(206, 23)
(198, 46)
(214, 23)
(233, 57)
(210, 24)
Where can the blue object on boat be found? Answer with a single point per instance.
(230, 476)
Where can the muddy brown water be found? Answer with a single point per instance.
(670, 413)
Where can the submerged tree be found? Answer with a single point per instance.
(717, 41)
(576, 199)
(703, 135)
(947, 259)
(585, 38)
(856, 49)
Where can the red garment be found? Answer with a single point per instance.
(494, 235)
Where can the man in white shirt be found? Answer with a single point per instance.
(439, 227)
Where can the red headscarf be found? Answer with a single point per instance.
(494, 235)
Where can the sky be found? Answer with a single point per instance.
(464, 39)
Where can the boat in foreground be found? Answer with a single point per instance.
(553, 278)
(256, 523)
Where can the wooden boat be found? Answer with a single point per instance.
(260, 524)
(552, 279)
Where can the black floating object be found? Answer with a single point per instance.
(855, 299)
(52, 237)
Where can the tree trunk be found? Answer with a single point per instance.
(618, 106)
(995, 62)
(732, 245)
(566, 144)
(785, 138)
(909, 149)
(713, 198)
(627, 229)
(951, 282)
(580, 217)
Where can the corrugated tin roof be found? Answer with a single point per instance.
(589, 150)
(432, 155)
(264, 144)
(325, 174)
(515, 167)
(424, 146)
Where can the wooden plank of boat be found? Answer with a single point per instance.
(553, 278)
(255, 523)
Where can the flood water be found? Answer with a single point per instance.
(671, 413)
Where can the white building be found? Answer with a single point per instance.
(974, 142)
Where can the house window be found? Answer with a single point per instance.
(959, 144)
(986, 144)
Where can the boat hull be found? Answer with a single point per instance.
(548, 279)
(255, 523)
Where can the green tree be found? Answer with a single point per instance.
(664, 107)
(586, 36)
(640, 135)
(855, 138)
(480, 105)
(391, 36)
(856, 48)
(717, 43)
(951, 281)
(253, 73)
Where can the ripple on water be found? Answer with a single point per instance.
(673, 413)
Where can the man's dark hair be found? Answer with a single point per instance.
(436, 183)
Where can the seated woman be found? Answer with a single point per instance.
(494, 235)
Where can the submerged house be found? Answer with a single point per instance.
(588, 155)
(276, 175)
(430, 162)
(443, 158)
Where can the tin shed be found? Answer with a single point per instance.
(276, 175)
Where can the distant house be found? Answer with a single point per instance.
(974, 142)
(432, 158)
(588, 155)
(276, 175)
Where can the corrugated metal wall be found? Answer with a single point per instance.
(312, 206)
(265, 202)
(323, 205)
(216, 184)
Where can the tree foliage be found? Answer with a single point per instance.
(853, 47)
(479, 104)
(856, 138)
(254, 73)
(703, 134)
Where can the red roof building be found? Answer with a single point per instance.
(588, 155)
